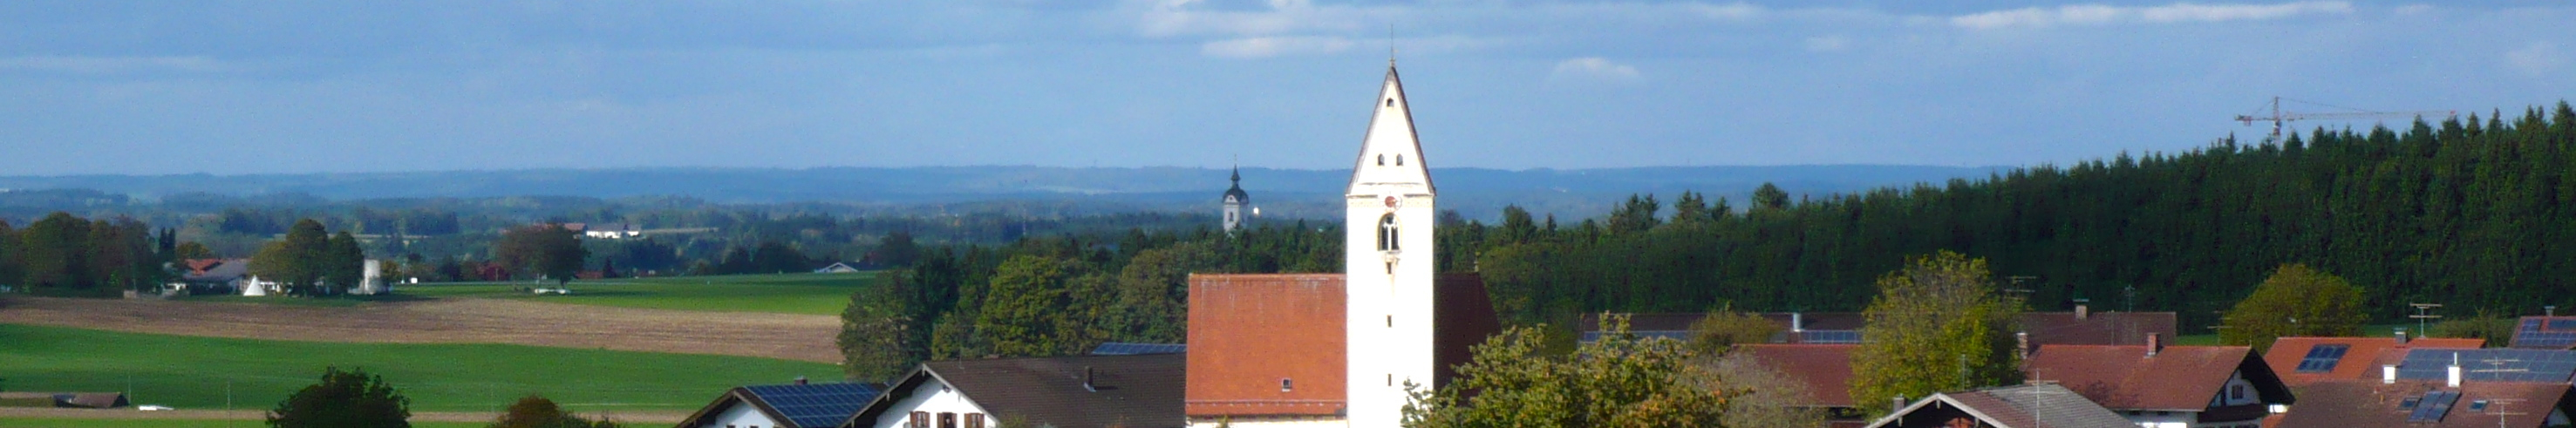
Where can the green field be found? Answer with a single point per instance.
(794, 293)
(6, 422)
(198, 372)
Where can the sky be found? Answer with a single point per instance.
(284, 86)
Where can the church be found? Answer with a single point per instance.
(1340, 349)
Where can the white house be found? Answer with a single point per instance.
(1131, 391)
(796, 405)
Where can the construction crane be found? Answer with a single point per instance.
(2277, 117)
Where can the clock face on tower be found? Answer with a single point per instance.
(1392, 202)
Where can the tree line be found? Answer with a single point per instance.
(2460, 212)
(64, 255)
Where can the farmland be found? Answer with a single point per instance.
(196, 372)
(795, 293)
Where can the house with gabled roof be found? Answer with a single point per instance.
(2160, 386)
(2455, 401)
(1825, 370)
(1272, 349)
(796, 405)
(1130, 391)
(2304, 360)
(2025, 406)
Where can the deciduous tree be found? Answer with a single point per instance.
(2295, 301)
(544, 249)
(1621, 380)
(535, 411)
(1937, 325)
(344, 399)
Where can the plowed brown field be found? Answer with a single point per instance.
(460, 320)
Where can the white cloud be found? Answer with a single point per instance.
(2097, 14)
(1264, 47)
(98, 64)
(1594, 68)
(2537, 59)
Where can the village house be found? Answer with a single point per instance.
(795, 405)
(1098, 391)
(2024, 406)
(2160, 386)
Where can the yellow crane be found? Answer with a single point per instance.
(2277, 117)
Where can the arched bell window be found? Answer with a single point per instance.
(1386, 233)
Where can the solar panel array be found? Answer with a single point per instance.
(2436, 404)
(1829, 336)
(2545, 333)
(1124, 348)
(2506, 365)
(2323, 358)
(816, 405)
(1595, 336)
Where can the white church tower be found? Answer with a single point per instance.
(1389, 267)
(1235, 200)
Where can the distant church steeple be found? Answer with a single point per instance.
(1235, 200)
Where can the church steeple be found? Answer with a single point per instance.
(1391, 153)
(1235, 201)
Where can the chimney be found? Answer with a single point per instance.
(2454, 370)
(2022, 348)
(2082, 311)
(2387, 374)
(2401, 335)
(1086, 380)
(1896, 403)
(800, 380)
(2155, 343)
(1797, 323)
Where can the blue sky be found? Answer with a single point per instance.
(157, 87)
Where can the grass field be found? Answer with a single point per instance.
(176, 423)
(195, 372)
(794, 293)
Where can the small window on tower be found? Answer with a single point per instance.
(1381, 160)
(1386, 234)
(1399, 160)
(1390, 102)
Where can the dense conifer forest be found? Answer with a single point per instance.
(2473, 214)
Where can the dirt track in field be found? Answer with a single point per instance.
(455, 320)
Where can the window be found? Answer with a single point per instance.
(2236, 393)
(2409, 402)
(947, 420)
(1284, 386)
(2478, 406)
(1386, 233)
(974, 420)
(1399, 160)
(1390, 102)
(2323, 358)
(1381, 159)
(919, 420)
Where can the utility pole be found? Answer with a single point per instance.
(2421, 318)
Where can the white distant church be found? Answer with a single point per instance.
(1339, 349)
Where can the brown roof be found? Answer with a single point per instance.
(2097, 328)
(2045, 328)
(1249, 332)
(2025, 406)
(1825, 369)
(2178, 378)
(93, 400)
(2368, 403)
(1137, 391)
(2360, 361)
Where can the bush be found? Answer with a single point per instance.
(534, 411)
(344, 399)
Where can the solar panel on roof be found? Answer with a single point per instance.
(2510, 365)
(2436, 405)
(1830, 336)
(2323, 358)
(815, 405)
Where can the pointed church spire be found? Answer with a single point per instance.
(1391, 153)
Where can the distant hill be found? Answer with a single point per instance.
(1475, 192)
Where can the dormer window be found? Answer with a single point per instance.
(1284, 385)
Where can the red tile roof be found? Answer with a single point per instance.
(1825, 369)
(2360, 361)
(2178, 378)
(1249, 332)
(2369, 403)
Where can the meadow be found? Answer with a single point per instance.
(792, 293)
(220, 373)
